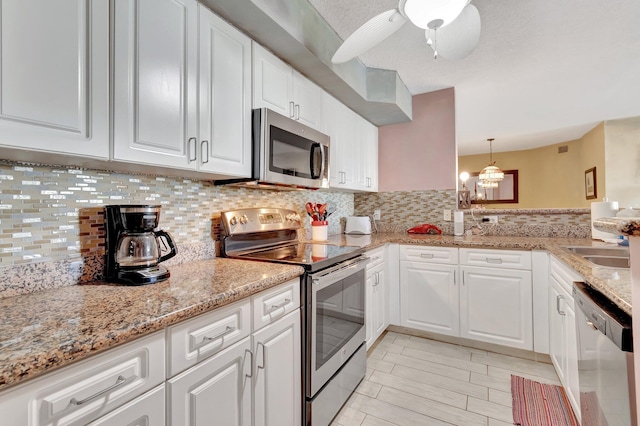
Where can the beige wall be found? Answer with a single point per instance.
(421, 154)
(546, 178)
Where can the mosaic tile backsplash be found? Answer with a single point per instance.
(52, 220)
(54, 216)
(400, 211)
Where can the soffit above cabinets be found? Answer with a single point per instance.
(296, 32)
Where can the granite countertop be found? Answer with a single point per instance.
(629, 226)
(614, 283)
(51, 328)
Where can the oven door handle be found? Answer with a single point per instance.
(338, 272)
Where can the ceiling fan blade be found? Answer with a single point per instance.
(368, 35)
(458, 39)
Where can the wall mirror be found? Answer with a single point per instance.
(506, 192)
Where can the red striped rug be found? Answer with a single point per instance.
(539, 404)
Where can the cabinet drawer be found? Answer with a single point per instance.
(376, 257)
(563, 274)
(275, 303)
(429, 254)
(198, 338)
(147, 409)
(82, 392)
(513, 259)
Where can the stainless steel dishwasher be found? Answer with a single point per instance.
(605, 360)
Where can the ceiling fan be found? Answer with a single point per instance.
(452, 28)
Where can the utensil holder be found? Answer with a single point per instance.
(320, 230)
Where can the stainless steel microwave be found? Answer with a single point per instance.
(286, 153)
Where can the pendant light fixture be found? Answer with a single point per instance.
(491, 175)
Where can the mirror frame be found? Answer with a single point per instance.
(513, 200)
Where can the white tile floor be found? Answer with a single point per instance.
(416, 381)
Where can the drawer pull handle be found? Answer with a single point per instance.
(119, 382)
(226, 331)
(279, 305)
(558, 299)
(493, 260)
(426, 255)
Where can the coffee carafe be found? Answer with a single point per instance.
(134, 249)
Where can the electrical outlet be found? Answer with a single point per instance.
(376, 214)
(447, 215)
(490, 219)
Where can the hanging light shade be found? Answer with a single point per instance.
(491, 175)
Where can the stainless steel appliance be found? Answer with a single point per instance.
(333, 294)
(605, 360)
(133, 248)
(286, 153)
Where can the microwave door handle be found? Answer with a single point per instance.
(311, 163)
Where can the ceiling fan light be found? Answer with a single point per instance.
(458, 40)
(422, 13)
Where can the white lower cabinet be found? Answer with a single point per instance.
(376, 296)
(254, 381)
(277, 383)
(490, 303)
(146, 410)
(496, 306)
(563, 342)
(429, 298)
(215, 391)
(89, 389)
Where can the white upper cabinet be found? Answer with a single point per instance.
(280, 88)
(154, 82)
(353, 148)
(156, 88)
(54, 81)
(368, 146)
(225, 97)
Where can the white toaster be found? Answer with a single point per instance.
(357, 225)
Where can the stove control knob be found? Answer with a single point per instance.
(233, 221)
(244, 219)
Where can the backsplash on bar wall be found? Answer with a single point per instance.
(55, 214)
(400, 211)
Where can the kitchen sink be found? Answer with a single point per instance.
(609, 257)
(600, 251)
(609, 261)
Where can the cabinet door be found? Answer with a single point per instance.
(277, 373)
(307, 99)
(155, 68)
(272, 82)
(370, 308)
(429, 297)
(496, 306)
(225, 98)
(146, 410)
(54, 76)
(557, 321)
(370, 156)
(216, 391)
(563, 342)
(571, 348)
(381, 300)
(341, 128)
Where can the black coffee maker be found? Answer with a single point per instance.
(134, 249)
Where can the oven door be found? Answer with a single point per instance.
(335, 303)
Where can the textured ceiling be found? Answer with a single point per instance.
(544, 71)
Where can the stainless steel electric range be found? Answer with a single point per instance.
(332, 293)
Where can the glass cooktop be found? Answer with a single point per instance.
(312, 256)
